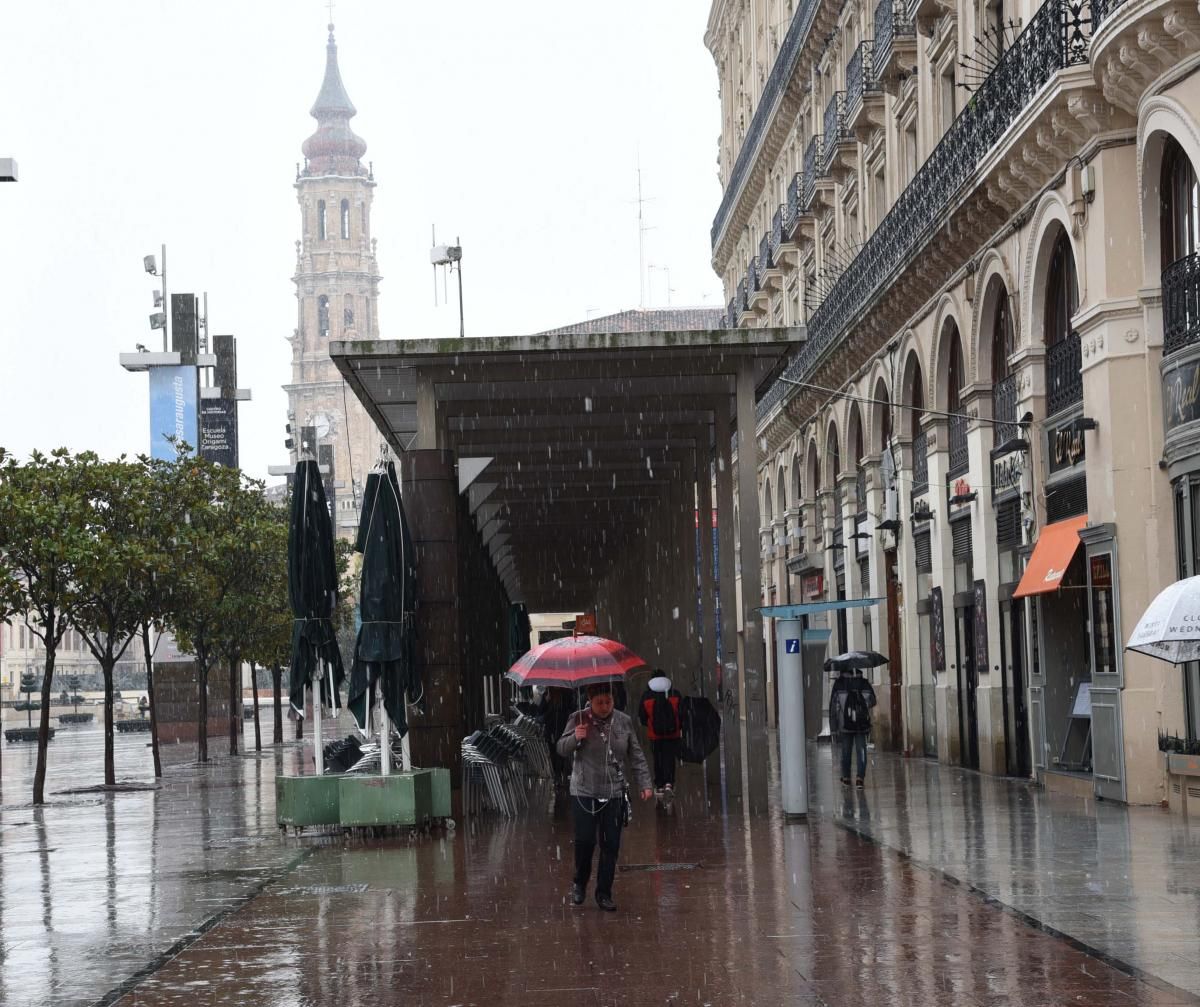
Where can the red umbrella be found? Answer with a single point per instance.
(573, 662)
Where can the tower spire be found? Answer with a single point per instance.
(333, 149)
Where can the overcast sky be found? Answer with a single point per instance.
(516, 126)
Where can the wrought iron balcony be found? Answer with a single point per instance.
(777, 233)
(814, 165)
(1181, 303)
(753, 277)
(766, 260)
(777, 82)
(795, 194)
(1056, 37)
(731, 315)
(920, 465)
(835, 129)
(892, 27)
(1101, 9)
(960, 458)
(1064, 381)
(1004, 410)
(860, 77)
(740, 299)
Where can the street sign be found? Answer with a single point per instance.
(791, 646)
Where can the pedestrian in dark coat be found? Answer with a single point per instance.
(850, 705)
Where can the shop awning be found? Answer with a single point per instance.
(1052, 555)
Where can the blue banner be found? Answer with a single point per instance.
(174, 395)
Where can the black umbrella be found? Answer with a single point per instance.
(855, 659)
(312, 590)
(385, 651)
(701, 729)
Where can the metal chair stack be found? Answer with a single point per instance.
(534, 748)
(493, 773)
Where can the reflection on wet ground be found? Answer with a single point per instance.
(187, 895)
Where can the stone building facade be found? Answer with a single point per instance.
(337, 292)
(985, 216)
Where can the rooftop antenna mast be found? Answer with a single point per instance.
(449, 257)
(642, 229)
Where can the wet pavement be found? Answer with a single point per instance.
(188, 895)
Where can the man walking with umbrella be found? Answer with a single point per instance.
(600, 738)
(850, 705)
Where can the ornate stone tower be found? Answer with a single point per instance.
(337, 291)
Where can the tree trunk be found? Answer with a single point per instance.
(235, 703)
(110, 771)
(254, 690)
(39, 774)
(202, 705)
(149, 655)
(277, 685)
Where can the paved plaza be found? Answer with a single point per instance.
(932, 886)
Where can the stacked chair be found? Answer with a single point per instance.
(498, 761)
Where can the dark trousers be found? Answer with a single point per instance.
(852, 743)
(597, 822)
(666, 753)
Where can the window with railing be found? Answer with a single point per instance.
(920, 465)
(960, 459)
(1181, 304)
(891, 21)
(1064, 381)
(1064, 357)
(776, 233)
(1004, 409)
(835, 128)
(765, 259)
(860, 76)
(1179, 218)
(813, 163)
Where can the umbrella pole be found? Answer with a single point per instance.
(319, 749)
(385, 740)
(405, 754)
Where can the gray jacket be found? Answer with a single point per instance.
(607, 742)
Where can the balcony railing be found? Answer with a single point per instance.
(741, 299)
(920, 477)
(814, 164)
(1004, 409)
(1064, 381)
(777, 234)
(1101, 9)
(860, 75)
(891, 21)
(835, 129)
(795, 194)
(765, 259)
(777, 82)
(1056, 37)
(960, 458)
(1181, 303)
(731, 315)
(753, 277)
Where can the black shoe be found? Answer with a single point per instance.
(859, 783)
(845, 781)
(577, 893)
(606, 903)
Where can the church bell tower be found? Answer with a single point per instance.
(337, 293)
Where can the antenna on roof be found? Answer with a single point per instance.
(449, 257)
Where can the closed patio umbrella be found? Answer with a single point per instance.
(312, 590)
(385, 652)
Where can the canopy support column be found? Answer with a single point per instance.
(727, 696)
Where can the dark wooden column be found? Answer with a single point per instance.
(429, 485)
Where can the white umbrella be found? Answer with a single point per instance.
(1170, 628)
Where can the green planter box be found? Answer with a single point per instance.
(306, 800)
(399, 799)
(440, 781)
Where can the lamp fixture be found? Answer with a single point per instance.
(891, 524)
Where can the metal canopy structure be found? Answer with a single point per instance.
(586, 433)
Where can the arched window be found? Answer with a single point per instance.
(917, 404)
(323, 316)
(1179, 200)
(767, 500)
(348, 311)
(345, 218)
(1002, 335)
(1064, 383)
(955, 372)
(320, 220)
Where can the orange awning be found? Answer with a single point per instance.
(1052, 555)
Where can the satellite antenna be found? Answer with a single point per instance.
(449, 259)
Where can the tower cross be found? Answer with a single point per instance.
(329, 6)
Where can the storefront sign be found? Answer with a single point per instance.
(1065, 444)
(1006, 472)
(1181, 394)
(585, 625)
(812, 588)
(937, 631)
(981, 627)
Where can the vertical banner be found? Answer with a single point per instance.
(185, 332)
(981, 628)
(218, 431)
(174, 394)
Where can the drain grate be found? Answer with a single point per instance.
(658, 867)
(326, 890)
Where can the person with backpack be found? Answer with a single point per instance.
(850, 705)
(659, 713)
